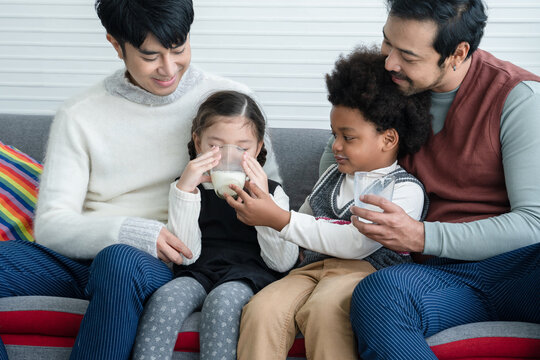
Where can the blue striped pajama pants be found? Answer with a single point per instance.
(117, 283)
(393, 310)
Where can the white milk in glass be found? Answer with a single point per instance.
(221, 179)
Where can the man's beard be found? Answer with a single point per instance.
(412, 89)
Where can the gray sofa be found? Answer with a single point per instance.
(298, 152)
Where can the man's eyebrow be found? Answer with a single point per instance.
(147, 52)
(150, 52)
(412, 53)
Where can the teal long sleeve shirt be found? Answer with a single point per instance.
(520, 147)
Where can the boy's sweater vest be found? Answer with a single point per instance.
(323, 203)
(461, 166)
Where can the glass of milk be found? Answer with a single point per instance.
(228, 171)
(373, 183)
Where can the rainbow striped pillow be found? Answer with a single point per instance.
(19, 178)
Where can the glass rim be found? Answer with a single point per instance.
(372, 173)
(231, 146)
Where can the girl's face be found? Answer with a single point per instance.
(235, 130)
(358, 146)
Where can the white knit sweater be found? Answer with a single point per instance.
(113, 151)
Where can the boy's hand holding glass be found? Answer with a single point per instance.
(196, 169)
(258, 209)
(255, 173)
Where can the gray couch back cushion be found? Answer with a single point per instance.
(27, 133)
(298, 151)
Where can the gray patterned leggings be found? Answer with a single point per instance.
(171, 304)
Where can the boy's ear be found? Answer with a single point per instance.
(390, 139)
(196, 142)
(116, 45)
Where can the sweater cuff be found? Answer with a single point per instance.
(141, 234)
(184, 195)
(432, 239)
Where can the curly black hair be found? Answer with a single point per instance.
(360, 81)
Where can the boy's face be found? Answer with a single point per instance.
(357, 145)
(411, 58)
(153, 67)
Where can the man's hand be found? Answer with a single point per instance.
(393, 228)
(169, 248)
(260, 210)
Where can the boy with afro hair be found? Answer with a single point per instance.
(373, 124)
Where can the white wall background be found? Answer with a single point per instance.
(52, 49)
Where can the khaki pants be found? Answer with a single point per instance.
(314, 299)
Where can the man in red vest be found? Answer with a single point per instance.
(480, 169)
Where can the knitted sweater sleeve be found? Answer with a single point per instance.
(60, 223)
(345, 241)
(184, 210)
(278, 254)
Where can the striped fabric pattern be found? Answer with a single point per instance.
(19, 178)
(394, 309)
(121, 281)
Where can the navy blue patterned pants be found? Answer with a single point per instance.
(117, 283)
(393, 310)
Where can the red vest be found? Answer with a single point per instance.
(461, 166)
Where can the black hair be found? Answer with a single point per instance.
(229, 103)
(132, 20)
(457, 21)
(360, 81)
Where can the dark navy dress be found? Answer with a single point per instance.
(229, 248)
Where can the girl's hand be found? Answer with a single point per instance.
(258, 209)
(193, 174)
(255, 173)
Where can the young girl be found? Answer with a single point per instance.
(231, 261)
(373, 124)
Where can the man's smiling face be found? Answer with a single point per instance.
(410, 57)
(153, 67)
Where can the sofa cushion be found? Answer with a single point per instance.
(38, 325)
(50, 323)
(488, 340)
(19, 177)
